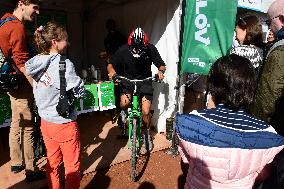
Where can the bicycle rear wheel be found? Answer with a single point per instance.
(134, 149)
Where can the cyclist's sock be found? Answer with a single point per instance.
(122, 118)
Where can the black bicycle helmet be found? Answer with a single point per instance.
(137, 42)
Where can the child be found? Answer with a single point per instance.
(60, 134)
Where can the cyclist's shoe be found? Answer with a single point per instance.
(147, 140)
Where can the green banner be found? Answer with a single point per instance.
(208, 33)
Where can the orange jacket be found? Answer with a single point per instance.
(13, 41)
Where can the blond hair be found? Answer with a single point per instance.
(43, 37)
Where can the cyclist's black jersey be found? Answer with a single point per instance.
(136, 68)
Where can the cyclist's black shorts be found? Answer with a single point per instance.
(144, 89)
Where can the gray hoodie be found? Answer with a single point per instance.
(46, 85)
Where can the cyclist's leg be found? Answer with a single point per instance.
(146, 92)
(125, 100)
(125, 96)
(147, 95)
(115, 112)
(146, 105)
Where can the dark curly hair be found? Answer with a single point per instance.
(252, 25)
(232, 82)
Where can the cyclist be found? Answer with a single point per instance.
(133, 60)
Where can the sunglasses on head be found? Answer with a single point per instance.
(268, 21)
(243, 21)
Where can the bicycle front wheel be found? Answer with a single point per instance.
(134, 149)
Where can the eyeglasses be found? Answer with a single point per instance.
(268, 22)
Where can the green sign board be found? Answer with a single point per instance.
(98, 97)
(106, 95)
(90, 100)
(208, 33)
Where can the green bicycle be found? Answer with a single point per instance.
(134, 122)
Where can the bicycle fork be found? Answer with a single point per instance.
(134, 113)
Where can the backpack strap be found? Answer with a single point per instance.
(6, 20)
(4, 59)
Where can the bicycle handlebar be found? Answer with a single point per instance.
(118, 77)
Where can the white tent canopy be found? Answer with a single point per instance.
(160, 19)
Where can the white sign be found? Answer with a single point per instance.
(251, 4)
(258, 5)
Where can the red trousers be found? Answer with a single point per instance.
(62, 143)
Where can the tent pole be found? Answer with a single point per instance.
(173, 150)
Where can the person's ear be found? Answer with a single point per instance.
(53, 43)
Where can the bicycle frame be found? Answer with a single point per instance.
(134, 113)
(134, 122)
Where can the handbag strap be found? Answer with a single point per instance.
(62, 70)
